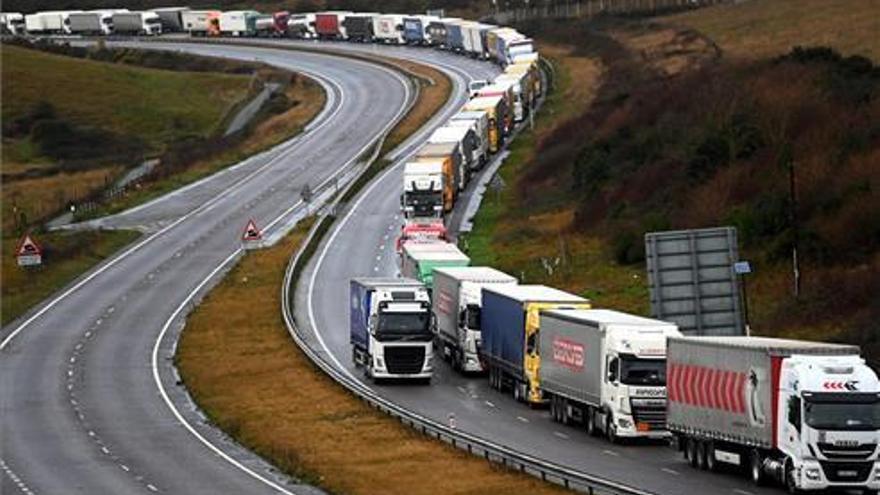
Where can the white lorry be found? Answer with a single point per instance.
(96, 22)
(422, 190)
(805, 414)
(388, 28)
(12, 23)
(457, 300)
(478, 122)
(518, 84)
(51, 22)
(606, 370)
(390, 328)
(238, 23)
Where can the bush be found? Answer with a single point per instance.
(628, 247)
(21, 126)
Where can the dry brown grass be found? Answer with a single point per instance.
(239, 362)
(42, 196)
(767, 28)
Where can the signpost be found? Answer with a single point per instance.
(743, 268)
(29, 253)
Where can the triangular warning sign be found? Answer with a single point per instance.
(28, 247)
(251, 232)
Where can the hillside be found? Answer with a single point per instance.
(682, 131)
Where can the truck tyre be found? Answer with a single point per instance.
(756, 468)
(554, 410)
(690, 452)
(711, 462)
(590, 421)
(790, 483)
(562, 408)
(610, 430)
(517, 391)
(701, 455)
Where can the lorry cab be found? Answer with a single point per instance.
(828, 422)
(634, 382)
(422, 196)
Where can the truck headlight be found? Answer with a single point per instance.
(812, 473)
(380, 363)
(624, 423)
(876, 473)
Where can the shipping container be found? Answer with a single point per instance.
(418, 260)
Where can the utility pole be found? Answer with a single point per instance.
(793, 216)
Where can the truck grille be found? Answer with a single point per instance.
(847, 452)
(846, 472)
(652, 415)
(404, 360)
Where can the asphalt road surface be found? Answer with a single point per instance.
(80, 406)
(362, 244)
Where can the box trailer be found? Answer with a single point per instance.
(359, 27)
(91, 23)
(239, 23)
(496, 108)
(138, 23)
(390, 328)
(605, 370)
(388, 28)
(467, 145)
(328, 25)
(509, 321)
(478, 122)
(457, 300)
(450, 156)
(422, 196)
(52, 22)
(201, 22)
(171, 18)
(806, 414)
(418, 260)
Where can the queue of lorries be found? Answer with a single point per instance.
(805, 414)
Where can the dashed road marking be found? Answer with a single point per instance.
(742, 492)
(560, 434)
(489, 404)
(524, 420)
(611, 453)
(670, 471)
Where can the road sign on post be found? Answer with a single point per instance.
(251, 236)
(29, 253)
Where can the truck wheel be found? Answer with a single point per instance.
(790, 483)
(756, 468)
(517, 391)
(554, 413)
(691, 452)
(711, 462)
(701, 455)
(590, 421)
(611, 431)
(563, 411)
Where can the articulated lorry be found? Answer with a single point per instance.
(521, 89)
(145, 23)
(302, 26)
(359, 27)
(605, 370)
(415, 29)
(12, 23)
(91, 23)
(171, 18)
(201, 22)
(496, 109)
(467, 146)
(438, 34)
(505, 90)
(239, 23)
(805, 414)
(420, 231)
(390, 328)
(449, 154)
(422, 196)
(388, 28)
(510, 322)
(419, 260)
(51, 22)
(273, 26)
(457, 301)
(478, 122)
(329, 25)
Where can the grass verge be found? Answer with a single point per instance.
(66, 256)
(240, 364)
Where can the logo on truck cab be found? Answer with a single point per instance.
(850, 385)
(569, 354)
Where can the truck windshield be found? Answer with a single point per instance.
(636, 371)
(403, 324)
(842, 415)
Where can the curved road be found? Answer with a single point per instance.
(362, 244)
(80, 409)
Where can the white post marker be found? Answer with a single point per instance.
(29, 253)
(252, 235)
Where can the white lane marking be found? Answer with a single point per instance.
(524, 420)
(560, 434)
(15, 478)
(152, 488)
(204, 207)
(743, 492)
(670, 471)
(125, 468)
(489, 403)
(611, 453)
(157, 379)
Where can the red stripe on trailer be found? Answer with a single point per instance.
(670, 381)
(775, 372)
(695, 386)
(688, 384)
(704, 379)
(714, 401)
(729, 381)
(740, 396)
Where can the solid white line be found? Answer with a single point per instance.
(139, 245)
(670, 471)
(167, 399)
(560, 434)
(611, 453)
